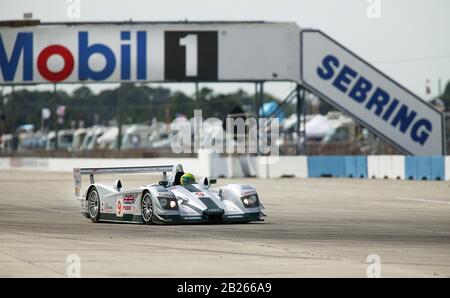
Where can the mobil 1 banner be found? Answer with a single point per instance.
(148, 52)
(337, 75)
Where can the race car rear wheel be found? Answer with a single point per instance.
(94, 205)
(147, 208)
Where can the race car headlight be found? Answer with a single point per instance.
(168, 203)
(163, 202)
(250, 201)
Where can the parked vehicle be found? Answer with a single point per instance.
(65, 139)
(78, 137)
(90, 139)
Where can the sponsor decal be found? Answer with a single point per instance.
(127, 208)
(244, 193)
(107, 208)
(214, 210)
(125, 205)
(161, 189)
(200, 194)
(27, 54)
(124, 54)
(128, 199)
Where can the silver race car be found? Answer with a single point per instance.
(166, 202)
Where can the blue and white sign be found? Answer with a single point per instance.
(337, 75)
(149, 52)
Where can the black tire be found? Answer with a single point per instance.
(147, 208)
(93, 205)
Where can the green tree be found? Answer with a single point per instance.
(138, 104)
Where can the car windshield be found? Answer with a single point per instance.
(191, 188)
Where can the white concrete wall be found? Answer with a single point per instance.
(4, 163)
(386, 166)
(212, 165)
(283, 166)
(447, 168)
(234, 168)
(207, 164)
(67, 164)
(373, 169)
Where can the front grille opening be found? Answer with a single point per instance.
(214, 217)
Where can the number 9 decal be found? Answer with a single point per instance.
(119, 207)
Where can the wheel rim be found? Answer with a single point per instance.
(93, 204)
(147, 208)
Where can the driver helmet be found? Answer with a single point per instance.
(187, 179)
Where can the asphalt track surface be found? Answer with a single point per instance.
(315, 228)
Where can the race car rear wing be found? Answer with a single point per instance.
(78, 172)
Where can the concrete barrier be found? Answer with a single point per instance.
(356, 166)
(337, 166)
(326, 166)
(438, 168)
(373, 166)
(282, 166)
(447, 168)
(4, 163)
(425, 168)
(254, 166)
(397, 167)
(212, 165)
(67, 164)
(386, 166)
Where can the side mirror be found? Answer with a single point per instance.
(207, 182)
(163, 183)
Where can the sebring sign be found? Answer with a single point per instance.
(349, 83)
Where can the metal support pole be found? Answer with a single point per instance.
(13, 91)
(301, 120)
(12, 123)
(304, 112)
(259, 102)
(119, 118)
(256, 97)
(261, 95)
(197, 137)
(256, 115)
(299, 112)
(197, 95)
(255, 109)
(55, 95)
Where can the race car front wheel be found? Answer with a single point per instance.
(94, 205)
(147, 208)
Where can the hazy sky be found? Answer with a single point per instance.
(410, 41)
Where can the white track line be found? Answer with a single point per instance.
(422, 200)
(386, 197)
